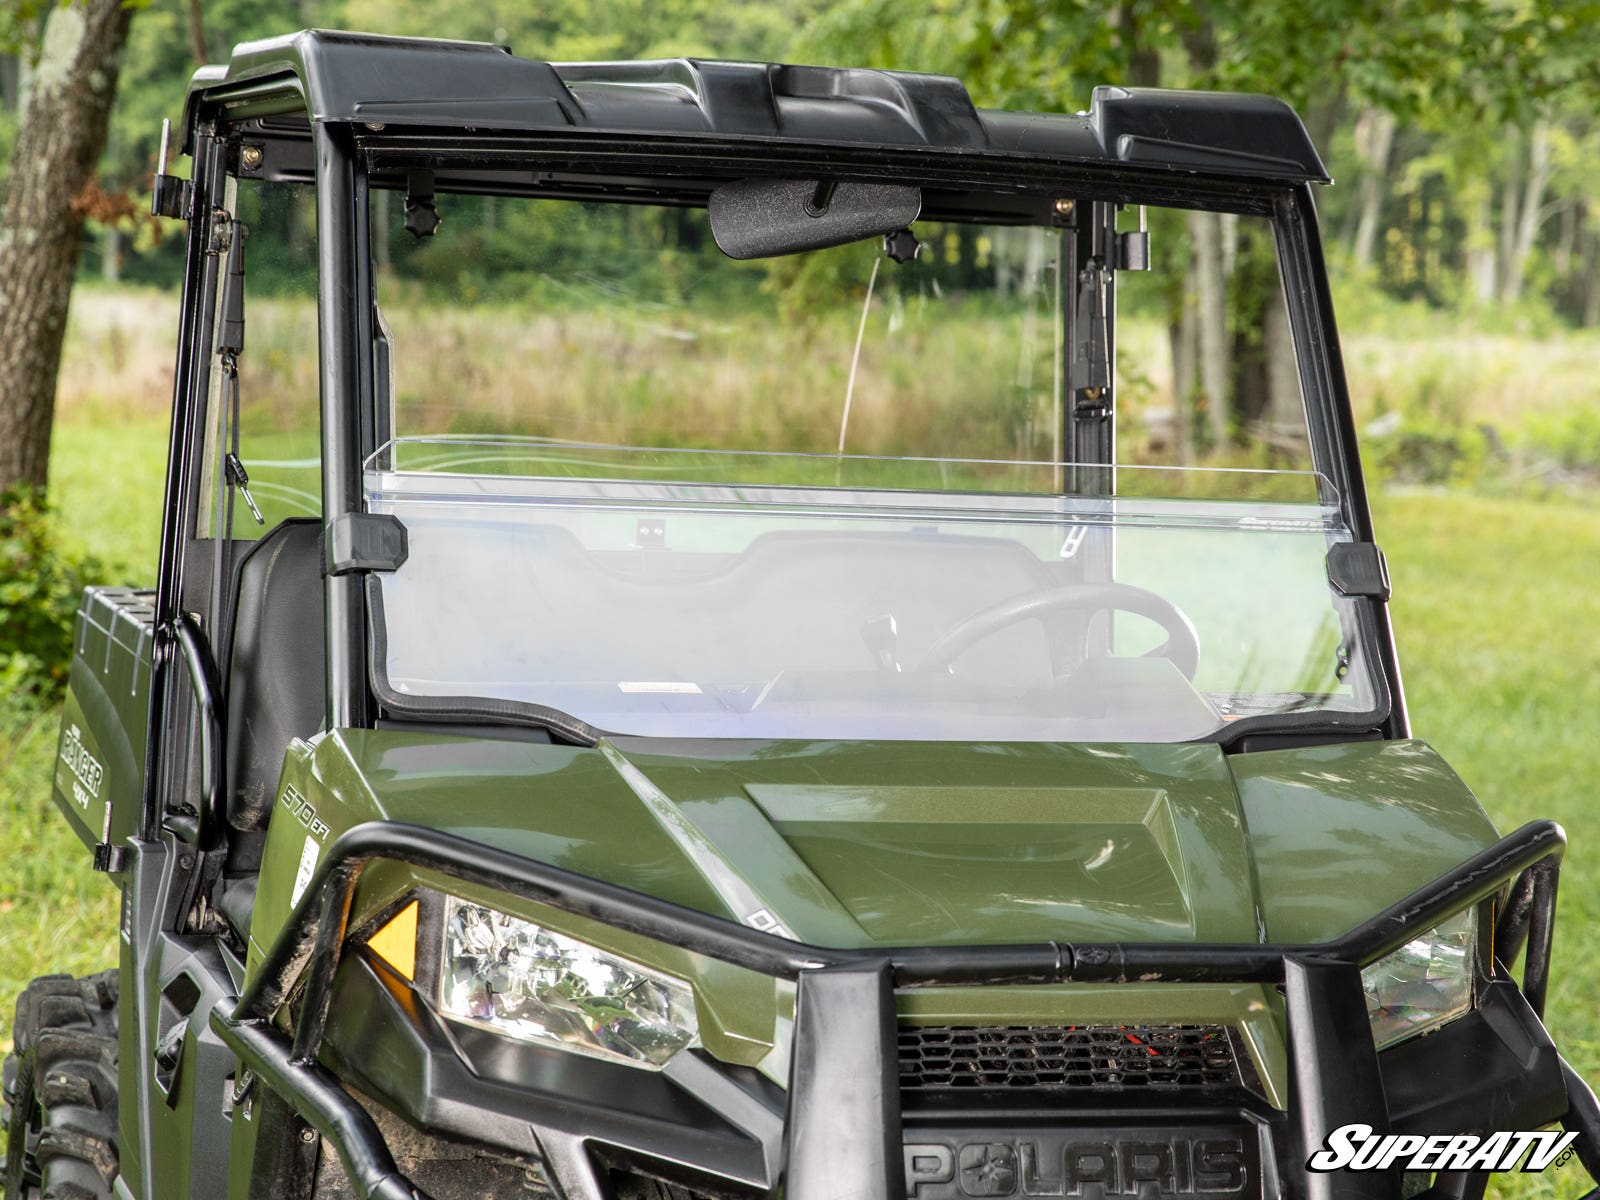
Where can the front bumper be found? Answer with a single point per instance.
(843, 1131)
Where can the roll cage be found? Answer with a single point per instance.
(342, 112)
(353, 112)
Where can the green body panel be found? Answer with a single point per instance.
(1341, 832)
(98, 779)
(863, 844)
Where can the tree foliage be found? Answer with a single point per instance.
(40, 583)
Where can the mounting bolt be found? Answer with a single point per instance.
(901, 245)
(186, 862)
(308, 1135)
(375, 126)
(250, 157)
(1065, 207)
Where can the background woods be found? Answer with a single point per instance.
(1461, 135)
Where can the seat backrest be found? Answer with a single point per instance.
(277, 686)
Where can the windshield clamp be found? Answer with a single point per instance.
(1358, 569)
(366, 542)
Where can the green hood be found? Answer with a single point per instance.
(856, 844)
(907, 843)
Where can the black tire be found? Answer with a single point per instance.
(642, 1187)
(61, 1090)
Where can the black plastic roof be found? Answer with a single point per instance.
(372, 80)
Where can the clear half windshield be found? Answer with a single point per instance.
(728, 594)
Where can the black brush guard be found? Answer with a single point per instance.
(844, 1111)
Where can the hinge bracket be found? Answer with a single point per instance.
(170, 196)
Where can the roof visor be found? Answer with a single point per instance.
(396, 82)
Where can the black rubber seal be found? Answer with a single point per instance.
(481, 710)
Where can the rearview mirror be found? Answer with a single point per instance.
(762, 218)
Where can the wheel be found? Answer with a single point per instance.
(1182, 645)
(61, 1090)
(640, 1187)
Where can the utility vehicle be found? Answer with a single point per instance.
(686, 662)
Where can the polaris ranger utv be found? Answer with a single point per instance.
(550, 764)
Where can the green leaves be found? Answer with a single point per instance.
(40, 583)
(1430, 62)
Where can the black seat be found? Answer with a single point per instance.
(276, 683)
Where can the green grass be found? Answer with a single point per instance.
(1497, 616)
(55, 913)
(106, 479)
(1496, 608)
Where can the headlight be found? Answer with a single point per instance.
(524, 981)
(1425, 983)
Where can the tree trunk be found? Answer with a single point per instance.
(1571, 212)
(1144, 71)
(1286, 416)
(1480, 261)
(62, 133)
(1184, 335)
(1529, 218)
(1591, 282)
(1211, 296)
(110, 254)
(1374, 140)
(197, 35)
(10, 79)
(1144, 55)
(1510, 187)
(1208, 245)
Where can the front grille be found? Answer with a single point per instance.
(1111, 1057)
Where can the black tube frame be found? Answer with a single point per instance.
(343, 293)
(307, 951)
(1331, 1051)
(1329, 415)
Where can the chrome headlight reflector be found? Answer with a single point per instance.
(519, 979)
(1425, 983)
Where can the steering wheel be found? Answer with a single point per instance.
(1181, 648)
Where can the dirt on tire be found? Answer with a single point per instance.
(60, 1090)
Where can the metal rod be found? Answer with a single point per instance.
(1541, 935)
(327, 1107)
(1511, 929)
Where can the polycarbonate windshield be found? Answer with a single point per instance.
(873, 535)
(699, 594)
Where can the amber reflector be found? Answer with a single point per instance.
(396, 942)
